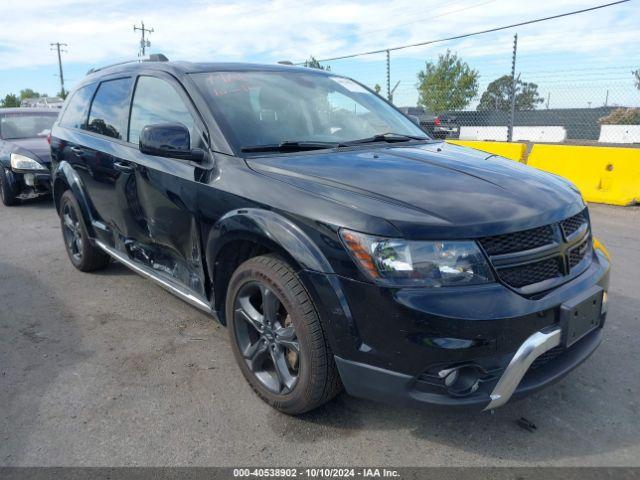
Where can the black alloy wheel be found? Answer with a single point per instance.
(71, 232)
(83, 253)
(277, 336)
(267, 337)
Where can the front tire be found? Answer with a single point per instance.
(85, 256)
(7, 193)
(277, 338)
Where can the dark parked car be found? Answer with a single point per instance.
(338, 243)
(24, 153)
(438, 126)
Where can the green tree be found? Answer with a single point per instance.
(497, 96)
(313, 63)
(622, 116)
(11, 100)
(377, 88)
(30, 93)
(448, 84)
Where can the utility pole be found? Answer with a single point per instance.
(144, 43)
(388, 75)
(512, 112)
(57, 46)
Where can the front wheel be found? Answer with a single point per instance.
(277, 337)
(85, 256)
(7, 193)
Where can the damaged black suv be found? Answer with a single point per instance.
(339, 243)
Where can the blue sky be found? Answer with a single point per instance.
(575, 60)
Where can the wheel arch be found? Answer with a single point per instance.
(245, 233)
(66, 178)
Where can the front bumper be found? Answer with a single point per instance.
(366, 381)
(31, 183)
(390, 344)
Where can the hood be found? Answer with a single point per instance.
(436, 190)
(33, 147)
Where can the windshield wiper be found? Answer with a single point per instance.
(389, 137)
(289, 146)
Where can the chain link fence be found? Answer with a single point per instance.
(586, 100)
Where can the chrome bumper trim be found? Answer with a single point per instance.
(532, 348)
(177, 290)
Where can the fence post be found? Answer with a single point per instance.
(512, 111)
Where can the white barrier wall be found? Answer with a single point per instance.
(619, 134)
(540, 134)
(498, 134)
(529, 134)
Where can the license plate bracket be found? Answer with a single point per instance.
(580, 315)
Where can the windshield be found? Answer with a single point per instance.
(26, 125)
(257, 108)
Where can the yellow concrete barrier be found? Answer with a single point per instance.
(514, 150)
(603, 174)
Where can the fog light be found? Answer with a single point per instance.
(605, 303)
(30, 179)
(461, 381)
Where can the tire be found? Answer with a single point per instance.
(295, 322)
(85, 256)
(7, 192)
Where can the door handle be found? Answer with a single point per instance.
(124, 167)
(77, 150)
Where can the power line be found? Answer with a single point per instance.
(457, 37)
(432, 17)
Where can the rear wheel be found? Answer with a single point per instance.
(7, 192)
(85, 256)
(277, 338)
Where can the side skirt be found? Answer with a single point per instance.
(167, 284)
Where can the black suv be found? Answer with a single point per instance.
(339, 244)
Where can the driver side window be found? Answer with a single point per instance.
(156, 101)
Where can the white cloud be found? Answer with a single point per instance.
(99, 32)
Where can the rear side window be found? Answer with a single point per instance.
(75, 115)
(110, 109)
(156, 101)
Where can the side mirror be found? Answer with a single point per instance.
(169, 140)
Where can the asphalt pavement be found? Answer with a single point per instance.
(107, 369)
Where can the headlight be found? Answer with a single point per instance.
(398, 262)
(21, 162)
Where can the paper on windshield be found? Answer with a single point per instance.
(349, 85)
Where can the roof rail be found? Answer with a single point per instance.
(154, 57)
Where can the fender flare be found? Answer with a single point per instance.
(270, 227)
(66, 178)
